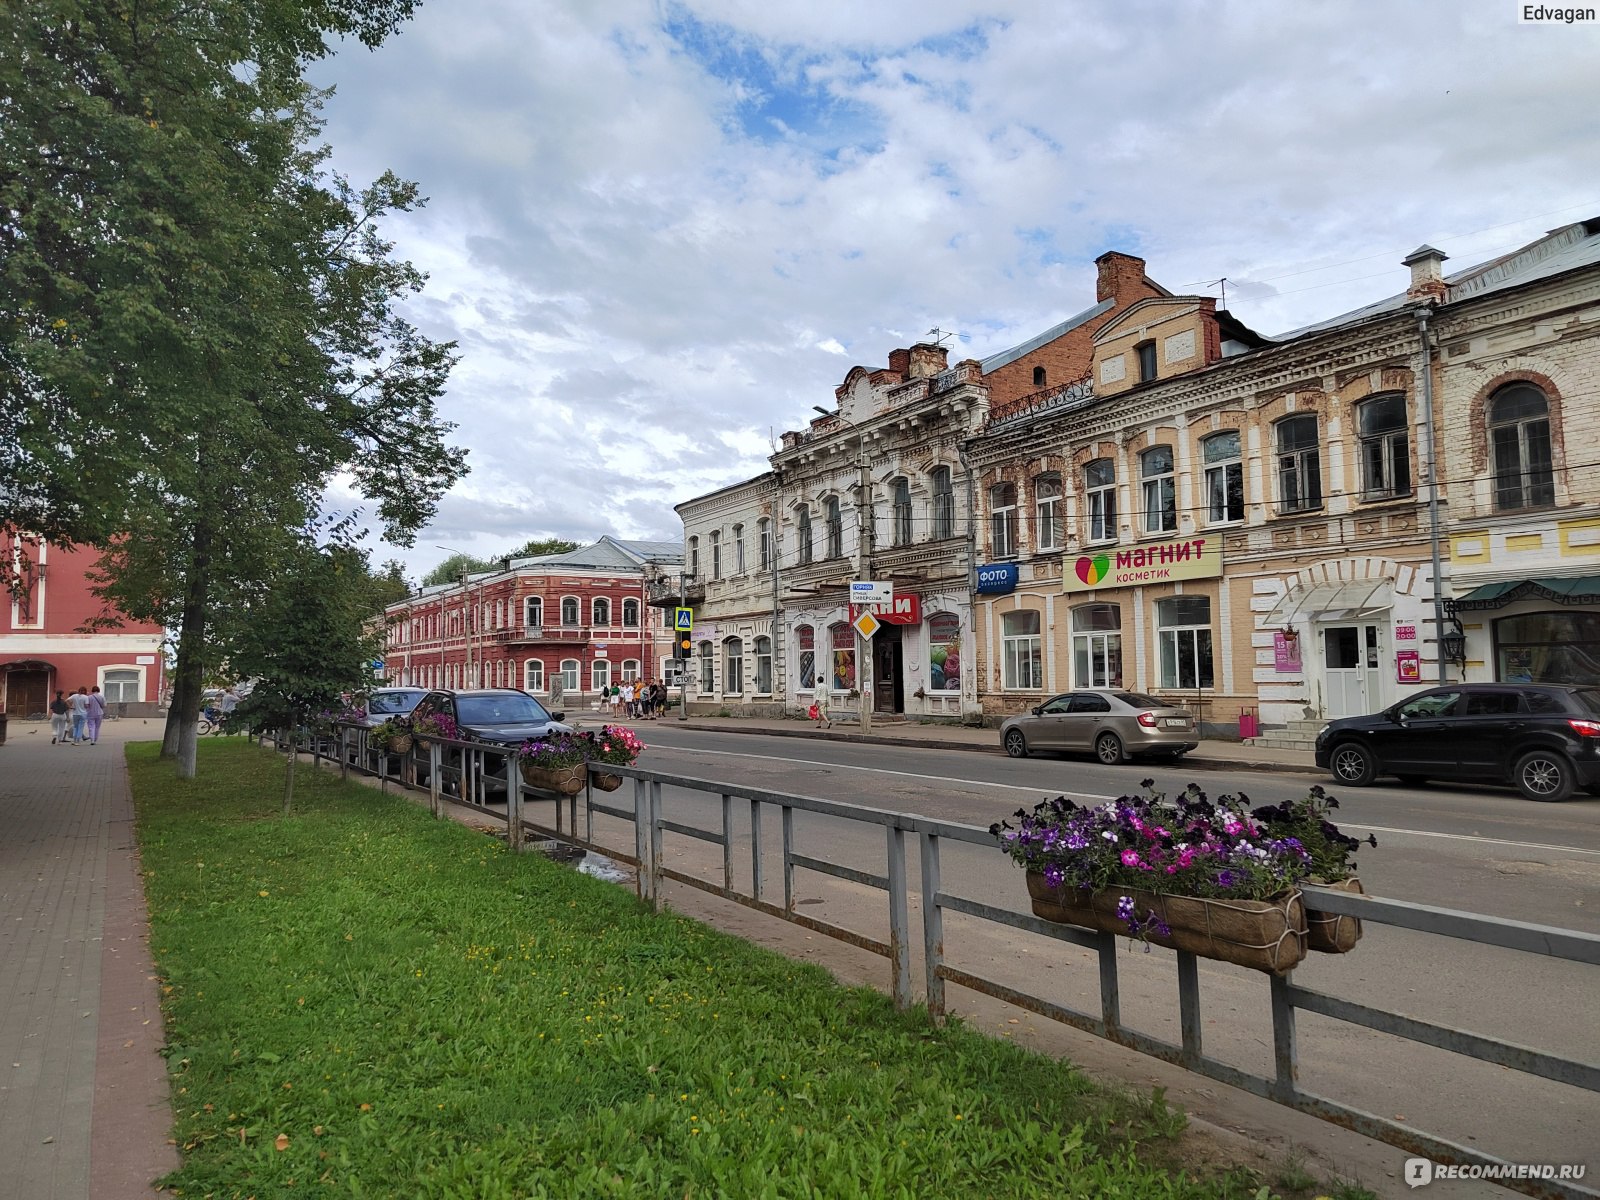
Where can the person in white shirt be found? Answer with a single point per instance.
(627, 697)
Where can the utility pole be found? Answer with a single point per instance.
(864, 662)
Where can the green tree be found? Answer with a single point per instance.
(452, 568)
(307, 641)
(198, 323)
(542, 546)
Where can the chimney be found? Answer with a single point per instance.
(1427, 279)
(1120, 275)
(928, 360)
(900, 362)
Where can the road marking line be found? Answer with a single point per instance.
(811, 762)
(1470, 837)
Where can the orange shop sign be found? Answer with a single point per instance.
(1148, 562)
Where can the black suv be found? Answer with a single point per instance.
(502, 717)
(1542, 737)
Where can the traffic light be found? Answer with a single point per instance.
(684, 646)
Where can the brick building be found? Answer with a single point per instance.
(45, 643)
(561, 626)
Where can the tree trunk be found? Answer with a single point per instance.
(191, 666)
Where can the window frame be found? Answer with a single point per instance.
(708, 668)
(738, 550)
(1380, 464)
(1100, 501)
(715, 538)
(900, 493)
(833, 525)
(571, 674)
(575, 605)
(802, 525)
(1022, 652)
(1159, 487)
(1175, 637)
(1534, 487)
(764, 678)
(600, 607)
(764, 540)
(733, 666)
(630, 613)
(1299, 466)
(1049, 531)
(1145, 355)
(1003, 521)
(1226, 474)
(942, 492)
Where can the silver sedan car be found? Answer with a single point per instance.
(1113, 725)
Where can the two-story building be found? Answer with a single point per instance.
(562, 626)
(54, 637)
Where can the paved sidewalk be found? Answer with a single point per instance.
(84, 1109)
(1211, 753)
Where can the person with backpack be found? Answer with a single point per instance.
(58, 719)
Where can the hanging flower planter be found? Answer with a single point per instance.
(606, 783)
(401, 743)
(1264, 935)
(567, 780)
(1334, 933)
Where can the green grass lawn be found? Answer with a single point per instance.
(364, 1001)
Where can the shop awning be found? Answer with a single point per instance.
(1574, 589)
(1336, 600)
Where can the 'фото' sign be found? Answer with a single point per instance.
(1148, 562)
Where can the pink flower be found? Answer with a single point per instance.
(1130, 858)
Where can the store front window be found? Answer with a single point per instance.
(805, 639)
(843, 640)
(944, 652)
(1184, 625)
(1097, 646)
(1548, 647)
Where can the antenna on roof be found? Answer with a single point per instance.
(940, 336)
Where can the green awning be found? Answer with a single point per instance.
(1576, 589)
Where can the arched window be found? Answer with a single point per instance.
(601, 611)
(630, 614)
(716, 554)
(599, 674)
(901, 490)
(694, 556)
(1100, 494)
(1047, 511)
(764, 666)
(944, 502)
(1224, 477)
(1299, 463)
(738, 549)
(944, 652)
(533, 612)
(569, 610)
(806, 646)
(1519, 435)
(1038, 377)
(1385, 447)
(732, 667)
(569, 674)
(708, 669)
(802, 528)
(764, 536)
(630, 668)
(842, 666)
(1160, 494)
(1003, 520)
(835, 524)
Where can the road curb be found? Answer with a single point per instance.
(876, 739)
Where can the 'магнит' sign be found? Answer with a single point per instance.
(1147, 562)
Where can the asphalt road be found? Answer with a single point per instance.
(1483, 850)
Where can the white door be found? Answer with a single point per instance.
(1353, 682)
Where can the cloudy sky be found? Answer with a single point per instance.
(661, 232)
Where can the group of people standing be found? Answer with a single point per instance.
(77, 717)
(636, 699)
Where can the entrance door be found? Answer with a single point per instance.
(27, 693)
(1352, 681)
(888, 694)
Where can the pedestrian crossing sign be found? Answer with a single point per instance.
(683, 618)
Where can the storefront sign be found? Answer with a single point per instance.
(1408, 666)
(1286, 652)
(871, 591)
(997, 579)
(902, 610)
(1152, 562)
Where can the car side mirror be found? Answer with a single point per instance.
(560, 716)
(1037, 710)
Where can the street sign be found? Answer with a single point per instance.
(866, 624)
(377, 664)
(871, 591)
(683, 618)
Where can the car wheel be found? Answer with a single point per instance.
(1412, 780)
(1108, 749)
(1352, 763)
(1016, 744)
(1544, 775)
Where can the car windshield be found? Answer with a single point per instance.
(1140, 700)
(507, 709)
(392, 702)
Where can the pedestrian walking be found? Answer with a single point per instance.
(60, 718)
(97, 713)
(78, 705)
(819, 708)
(616, 700)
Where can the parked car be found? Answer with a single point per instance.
(499, 716)
(384, 704)
(1543, 738)
(1112, 725)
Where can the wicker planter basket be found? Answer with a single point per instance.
(1264, 935)
(606, 783)
(566, 780)
(1331, 933)
(400, 743)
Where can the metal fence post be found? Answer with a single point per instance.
(932, 926)
(1189, 1008)
(344, 752)
(433, 778)
(1285, 1063)
(1110, 996)
(755, 848)
(899, 920)
(513, 804)
(788, 853)
(641, 821)
(655, 844)
(727, 844)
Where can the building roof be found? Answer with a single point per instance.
(1560, 250)
(996, 361)
(608, 554)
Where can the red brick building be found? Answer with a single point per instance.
(44, 646)
(561, 626)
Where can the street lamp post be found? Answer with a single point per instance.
(864, 663)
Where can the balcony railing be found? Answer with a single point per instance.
(668, 591)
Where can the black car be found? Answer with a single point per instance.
(499, 716)
(1544, 738)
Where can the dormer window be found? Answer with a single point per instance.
(1147, 361)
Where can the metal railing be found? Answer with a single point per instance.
(1287, 999)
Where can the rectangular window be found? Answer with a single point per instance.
(1022, 663)
(1183, 624)
(764, 666)
(944, 503)
(944, 652)
(1147, 360)
(1299, 465)
(764, 532)
(738, 549)
(1100, 487)
(1047, 511)
(902, 512)
(1385, 448)
(842, 676)
(716, 555)
(1003, 521)
(1224, 478)
(1160, 496)
(708, 669)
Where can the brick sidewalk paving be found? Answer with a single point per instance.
(84, 1106)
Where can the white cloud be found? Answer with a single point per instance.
(656, 230)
